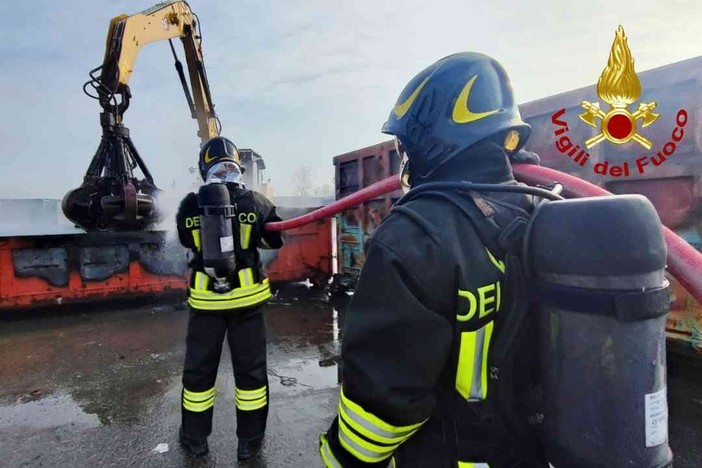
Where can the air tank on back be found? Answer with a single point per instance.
(598, 266)
(216, 233)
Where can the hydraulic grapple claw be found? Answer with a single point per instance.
(111, 197)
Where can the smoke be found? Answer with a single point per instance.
(167, 203)
(34, 217)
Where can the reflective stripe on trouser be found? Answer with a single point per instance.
(251, 400)
(198, 402)
(472, 465)
(472, 375)
(366, 436)
(246, 337)
(327, 455)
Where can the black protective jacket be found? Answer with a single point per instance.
(251, 288)
(422, 323)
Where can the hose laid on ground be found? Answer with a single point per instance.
(684, 262)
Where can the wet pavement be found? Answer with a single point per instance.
(102, 388)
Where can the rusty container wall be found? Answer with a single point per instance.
(354, 171)
(43, 271)
(674, 187)
(306, 255)
(40, 271)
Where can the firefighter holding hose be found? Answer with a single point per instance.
(418, 387)
(223, 227)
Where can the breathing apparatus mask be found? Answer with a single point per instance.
(225, 172)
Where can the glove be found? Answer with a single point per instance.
(524, 156)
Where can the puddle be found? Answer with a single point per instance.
(296, 374)
(52, 411)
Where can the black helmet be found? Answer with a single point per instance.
(216, 150)
(452, 104)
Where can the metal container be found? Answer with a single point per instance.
(674, 187)
(355, 171)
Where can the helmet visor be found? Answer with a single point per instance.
(225, 171)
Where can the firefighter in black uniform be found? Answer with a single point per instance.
(235, 313)
(418, 388)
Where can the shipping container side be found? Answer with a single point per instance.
(38, 271)
(355, 171)
(307, 255)
(45, 270)
(674, 187)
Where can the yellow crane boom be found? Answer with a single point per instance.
(111, 197)
(127, 35)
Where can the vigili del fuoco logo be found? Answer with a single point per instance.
(619, 87)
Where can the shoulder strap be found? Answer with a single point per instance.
(502, 228)
(245, 227)
(494, 221)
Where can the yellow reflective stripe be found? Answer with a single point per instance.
(471, 377)
(472, 465)
(368, 430)
(245, 235)
(369, 446)
(198, 396)
(196, 238)
(464, 375)
(230, 304)
(198, 407)
(244, 401)
(251, 405)
(484, 363)
(250, 400)
(250, 394)
(372, 426)
(328, 457)
(393, 463)
(246, 278)
(243, 279)
(198, 401)
(255, 295)
(499, 264)
(201, 282)
(236, 293)
(361, 448)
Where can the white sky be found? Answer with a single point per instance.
(300, 82)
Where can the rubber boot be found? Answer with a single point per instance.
(196, 446)
(248, 448)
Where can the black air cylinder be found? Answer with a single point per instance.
(216, 232)
(598, 266)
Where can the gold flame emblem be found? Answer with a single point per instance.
(619, 87)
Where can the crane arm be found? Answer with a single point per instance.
(125, 38)
(112, 196)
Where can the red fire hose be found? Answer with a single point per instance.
(684, 262)
(372, 191)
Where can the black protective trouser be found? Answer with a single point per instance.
(433, 444)
(246, 334)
